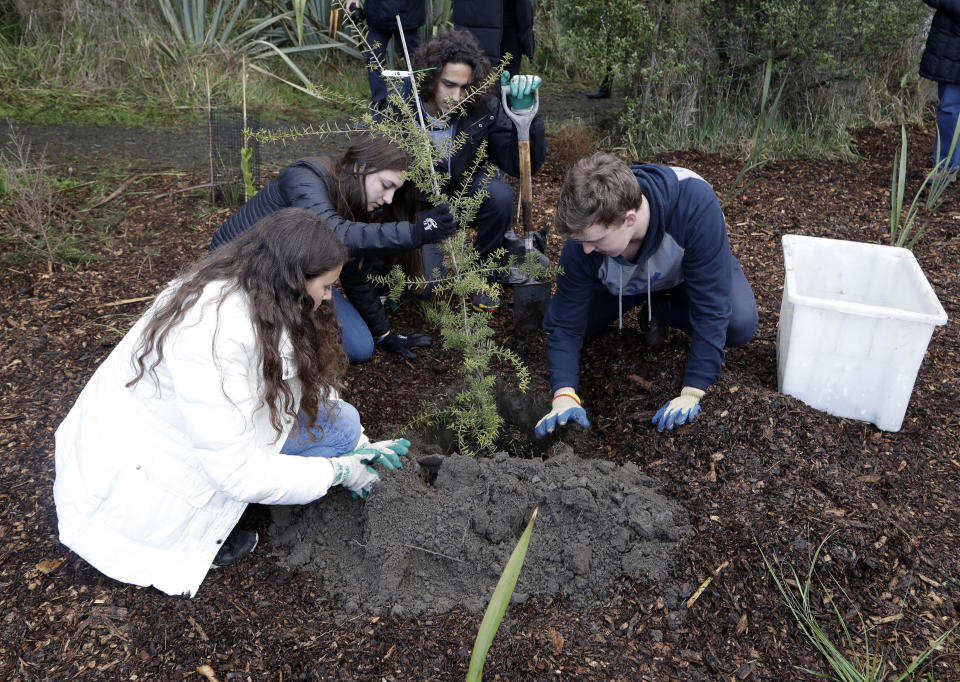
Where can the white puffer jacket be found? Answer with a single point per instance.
(151, 479)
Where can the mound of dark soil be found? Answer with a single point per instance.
(428, 541)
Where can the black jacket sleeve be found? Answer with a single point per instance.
(304, 184)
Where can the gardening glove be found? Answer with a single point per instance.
(402, 343)
(391, 451)
(680, 410)
(436, 224)
(521, 90)
(352, 470)
(566, 406)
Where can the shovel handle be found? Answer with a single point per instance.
(526, 186)
(523, 119)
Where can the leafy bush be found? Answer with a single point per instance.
(685, 66)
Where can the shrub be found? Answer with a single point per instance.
(33, 219)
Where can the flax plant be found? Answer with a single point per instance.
(499, 601)
(935, 182)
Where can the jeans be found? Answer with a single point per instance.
(335, 433)
(378, 40)
(357, 339)
(672, 307)
(947, 114)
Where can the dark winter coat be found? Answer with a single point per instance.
(485, 20)
(382, 14)
(305, 184)
(941, 57)
(686, 243)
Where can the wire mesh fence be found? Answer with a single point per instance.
(226, 141)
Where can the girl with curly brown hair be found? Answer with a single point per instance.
(204, 407)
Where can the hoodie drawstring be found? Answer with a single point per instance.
(649, 303)
(620, 301)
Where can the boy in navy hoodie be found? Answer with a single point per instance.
(643, 234)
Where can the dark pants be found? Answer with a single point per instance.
(378, 40)
(671, 306)
(947, 114)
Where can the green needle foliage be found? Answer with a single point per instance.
(498, 604)
(472, 413)
(849, 662)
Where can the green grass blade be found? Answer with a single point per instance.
(498, 604)
(293, 67)
(924, 655)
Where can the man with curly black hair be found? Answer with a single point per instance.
(456, 66)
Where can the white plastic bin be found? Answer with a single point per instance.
(855, 322)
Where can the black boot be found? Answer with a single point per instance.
(237, 545)
(603, 91)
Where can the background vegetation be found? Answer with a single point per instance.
(692, 71)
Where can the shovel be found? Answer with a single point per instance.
(530, 298)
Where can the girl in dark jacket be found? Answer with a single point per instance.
(363, 197)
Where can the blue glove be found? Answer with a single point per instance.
(390, 451)
(680, 410)
(521, 90)
(566, 406)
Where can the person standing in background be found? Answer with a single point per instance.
(941, 63)
(381, 18)
(500, 27)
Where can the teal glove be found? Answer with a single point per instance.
(390, 451)
(521, 90)
(352, 470)
(680, 410)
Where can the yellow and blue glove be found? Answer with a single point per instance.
(681, 410)
(566, 406)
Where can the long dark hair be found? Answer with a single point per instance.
(270, 263)
(367, 154)
(370, 153)
(453, 46)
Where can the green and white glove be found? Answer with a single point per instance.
(352, 470)
(681, 410)
(521, 95)
(391, 451)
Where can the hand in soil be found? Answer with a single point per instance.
(390, 452)
(681, 410)
(566, 406)
(402, 343)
